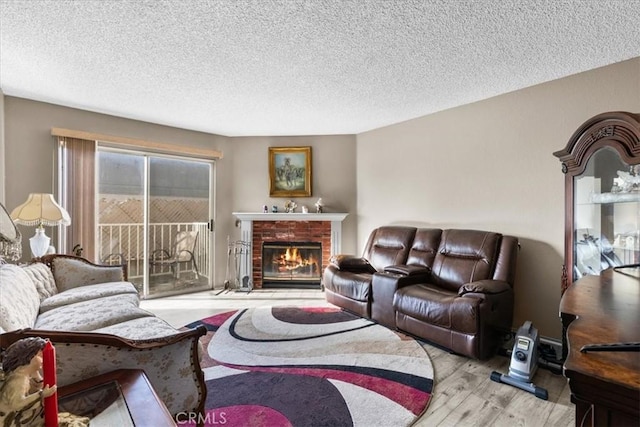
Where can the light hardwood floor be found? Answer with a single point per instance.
(464, 394)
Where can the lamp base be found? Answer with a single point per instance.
(39, 243)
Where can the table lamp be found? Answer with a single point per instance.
(40, 210)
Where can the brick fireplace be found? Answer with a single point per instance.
(256, 228)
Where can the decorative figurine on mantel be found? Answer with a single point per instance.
(290, 206)
(319, 205)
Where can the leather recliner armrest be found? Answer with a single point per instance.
(352, 264)
(383, 288)
(484, 287)
(407, 270)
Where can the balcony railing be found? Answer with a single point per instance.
(124, 243)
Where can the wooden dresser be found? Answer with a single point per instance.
(605, 385)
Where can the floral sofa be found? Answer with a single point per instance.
(92, 316)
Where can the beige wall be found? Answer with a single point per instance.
(242, 178)
(333, 177)
(489, 165)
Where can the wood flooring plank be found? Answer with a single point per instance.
(448, 395)
(473, 411)
(497, 393)
(506, 419)
(565, 395)
(532, 410)
(485, 367)
(562, 416)
(446, 363)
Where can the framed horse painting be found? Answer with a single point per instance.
(290, 171)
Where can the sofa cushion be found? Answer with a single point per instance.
(437, 306)
(465, 256)
(389, 245)
(141, 328)
(86, 293)
(19, 300)
(92, 314)
(42, 278)
(424, 247)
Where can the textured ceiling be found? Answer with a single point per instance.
(295, 67)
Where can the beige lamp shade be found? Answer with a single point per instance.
(40, 209)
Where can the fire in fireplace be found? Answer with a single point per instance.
(291, 264)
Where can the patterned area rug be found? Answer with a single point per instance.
(292, 366)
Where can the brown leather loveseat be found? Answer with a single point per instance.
(451, 287)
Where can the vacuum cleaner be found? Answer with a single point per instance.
(524, 362)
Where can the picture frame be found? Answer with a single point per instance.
(290, 171)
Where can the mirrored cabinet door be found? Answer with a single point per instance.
(601, 163)
(606, 214)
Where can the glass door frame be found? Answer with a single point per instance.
(210, 235)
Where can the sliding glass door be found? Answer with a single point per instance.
(155, 215)
(178, 236)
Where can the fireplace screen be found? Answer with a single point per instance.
(291, 264)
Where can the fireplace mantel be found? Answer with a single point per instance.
(282, 216)
(248, 218)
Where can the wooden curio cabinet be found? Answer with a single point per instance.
(601, 163)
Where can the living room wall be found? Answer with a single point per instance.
(489, 165)
(333, 177)
(242, 178)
